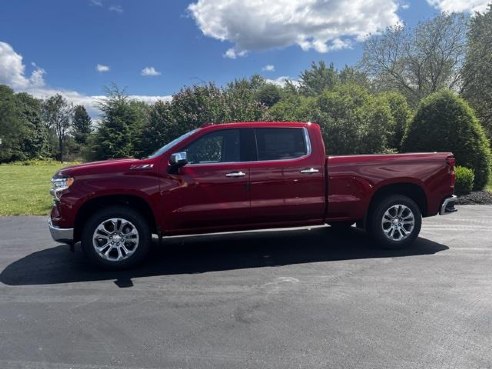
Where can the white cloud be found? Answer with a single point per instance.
(12, 70)
(96, 2)
(37, 76)
(268, 68)
(90, 102)
(12, 73)
(116, 8)
(322, 25)
(282, 81)
(149, 72)
(102, 68)
(233, 54)
(339, 44)
(150, 99)
(457, 6)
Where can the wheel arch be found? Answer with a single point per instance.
(97, 203)
(410, 190)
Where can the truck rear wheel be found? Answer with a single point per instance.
(395, 222)
(116, 238)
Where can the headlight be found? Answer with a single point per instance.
(60, 184)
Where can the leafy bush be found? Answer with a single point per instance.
(401, 113)
(353, 121)
(464, 180)
(293, 108)
(445, 122)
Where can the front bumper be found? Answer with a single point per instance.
(63, 235)
(447, 206)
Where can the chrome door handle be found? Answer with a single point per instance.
(309, 171)
(236, 174)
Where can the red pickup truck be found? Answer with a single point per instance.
(239, 176)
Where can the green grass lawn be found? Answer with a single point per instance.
(24, 189)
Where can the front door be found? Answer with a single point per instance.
(214, 192)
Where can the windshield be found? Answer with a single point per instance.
(171, 144)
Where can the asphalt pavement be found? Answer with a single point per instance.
(305, 298)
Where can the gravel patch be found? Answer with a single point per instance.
(476, 198)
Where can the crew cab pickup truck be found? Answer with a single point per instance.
(240, 176)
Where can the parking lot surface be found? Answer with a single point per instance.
(305, 298)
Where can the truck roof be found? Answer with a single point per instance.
(259, 124)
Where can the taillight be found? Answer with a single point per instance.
(451, 161)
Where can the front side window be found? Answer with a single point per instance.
(216, 147)
(281, 143)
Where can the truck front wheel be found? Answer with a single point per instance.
(395, 222)
(116, 237)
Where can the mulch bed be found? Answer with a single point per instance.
(476, 198)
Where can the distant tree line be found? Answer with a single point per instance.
(422, 89)
(31, 128)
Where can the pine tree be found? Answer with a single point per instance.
(81, 125)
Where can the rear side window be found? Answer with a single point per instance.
(216, 147)
(280, 143)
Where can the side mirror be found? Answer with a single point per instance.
(178, 159)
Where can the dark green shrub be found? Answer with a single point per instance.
(464, 180)
(445, 122)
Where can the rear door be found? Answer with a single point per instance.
(287, 185)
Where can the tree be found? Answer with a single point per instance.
(22, 131)
(318, 78)
(58, 116)
(11, 127)
(477, 74)
(159, 129)
(352, 75)
(445, 122)
(293, 107)
(121, 124)
(81, 125)
(269, 95)
(418, 62)
(353, 121)
(241, 100)
(35, 143)
(195, 105)
(401, 114)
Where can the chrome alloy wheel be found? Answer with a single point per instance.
(398, 222)
(115, 239)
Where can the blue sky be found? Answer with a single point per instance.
(153, 48)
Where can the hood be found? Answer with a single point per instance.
(104, 166)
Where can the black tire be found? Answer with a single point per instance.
(394, 222)
(123, 236)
